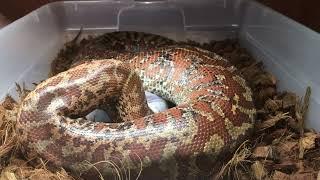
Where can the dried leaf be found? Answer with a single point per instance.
(306, 143)
(294, 124)
(251, 71)
(239, 158)
(309, 141)
(21, 170)
(277, 134)
(22, 91)
(289, 100)
(286, 135)
(265, 93)
(258, 170)
(264, 152)
(288, 166)
(265, 79)
(7, 175)
(272, 121)
(273, 105)
(301, 111)
(2, 115)
(278, 175)
(303, 176)
(8, 103)
(286, 149)
(268, 164)
(18, 88)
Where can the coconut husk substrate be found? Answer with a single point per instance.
(281, 147)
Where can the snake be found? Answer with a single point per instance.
(213, 114)
(106, 46)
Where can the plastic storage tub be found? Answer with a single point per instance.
(289, 50)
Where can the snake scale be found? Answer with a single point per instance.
(214, 113)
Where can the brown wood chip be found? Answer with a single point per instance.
(272, 121)
(264, 152)
(303, 176)
(289, 100)
(258, 170)
(309, 142)
(278, 175)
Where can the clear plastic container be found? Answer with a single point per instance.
(289, 50)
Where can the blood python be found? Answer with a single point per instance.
(107, 46)
(214, 113)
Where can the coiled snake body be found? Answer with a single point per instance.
(214, 113)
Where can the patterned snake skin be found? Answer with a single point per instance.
(214, 113)
(109, 46)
